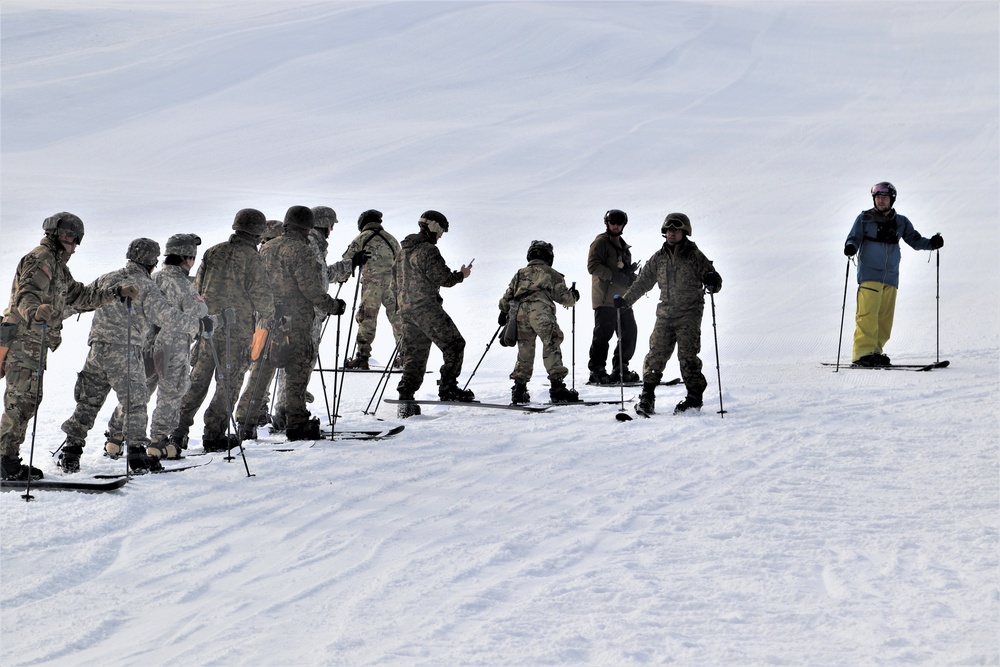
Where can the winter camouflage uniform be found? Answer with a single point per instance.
(299, 281)
(113, 364)
(231, 275)
(376, 275)
(538, 287)
(418, 274)
(679, 271)
(168, 351)
(41, 277)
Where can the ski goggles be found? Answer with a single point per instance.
(673, 223)
(881, 189)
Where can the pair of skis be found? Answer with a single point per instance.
(97, 483)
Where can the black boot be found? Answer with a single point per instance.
(69, 457)
(560, 393)
(451, 392)
(11, 468)
(278, 422)
(247, 431)
(139, 461)
(647, 399)
(689, 403)
(216, 444)
(358, 362)
(519, 393)
(307, 430)
(407, 409)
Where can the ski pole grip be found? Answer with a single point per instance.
(229, 316)
(128, 303)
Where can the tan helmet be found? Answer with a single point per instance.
(676, 221)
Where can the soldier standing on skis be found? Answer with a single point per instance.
(42, 295)
(115, 361)
(537, 288)
(683, 274)
(167, 352)
(875, 238)
(381, 249)
(418, 274)
(299, 280)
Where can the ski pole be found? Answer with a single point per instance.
(383, 378)
(126, 440)
(322, 378)
(226, 392)
(937, 314)
(621, 416)
(253, 407)
(350, 328)
(38, 399)
(337, 385)
(718, 371)
(572, 351)
(843, 310)
(495, 334)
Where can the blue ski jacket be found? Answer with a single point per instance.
(876, 236)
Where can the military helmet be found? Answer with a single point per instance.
(324, 217)
(371, 215)
(676, 221)
(615, 217)
(71, 223)
(429, 217)
(250, 220)
(300, 217)
(541, 250)
(183, 245)
(143, 251)
(272, 230)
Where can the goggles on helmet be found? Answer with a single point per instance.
(673, 223)
(882, 189)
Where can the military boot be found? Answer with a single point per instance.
(161, 447)
(115, 445)
(519, 393)
(139, 461)
(560, 393)
(307, 430)
(451, 392)
(359, 362)
(689, 403)
(69, 457)
(11, 468)
(405, 410)
(647, 399)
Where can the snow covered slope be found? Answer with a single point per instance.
(830, 518)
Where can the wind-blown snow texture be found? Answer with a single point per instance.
(829, 519)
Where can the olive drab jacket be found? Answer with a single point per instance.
(298, 278)
(609, 264)
(419, 273)
(232, 275)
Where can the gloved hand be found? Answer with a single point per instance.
(713, 282)
(937, 242)
(339, 307)
(849, 250)
(619, 301)
(575, 292)
(126, 292)
(46, 313)
(359, 258)
(502, 319)
(208, 325)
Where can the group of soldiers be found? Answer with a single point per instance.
(267, 289)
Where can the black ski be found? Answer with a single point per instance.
(136, 473)
(562, 403)
(897, 367)
(668, 383)
(362, 435)
(65, 484)
(474, 404)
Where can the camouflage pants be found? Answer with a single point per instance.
(538, 320)
(683, 331)
(19, 400)
(108, 367)
(298, 371)
(228, 381)
(373, 297)
(171, 380)
(319, 326)
(419, 330)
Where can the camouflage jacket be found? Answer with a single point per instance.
(680, 274)
(537, 282)
(232, 274)
(176, 285)
(110, 323)
(298, 277)
(419, 273)
(43, 277)
(382, 249)
(338, 272)
(609, 263)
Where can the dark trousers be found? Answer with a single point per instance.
(605, 326)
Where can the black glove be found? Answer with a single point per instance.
(937, 242)
(502, 319)
(849, 250)
(713, 282)
(359, 259)
(576, 293)
(339, 307)
(207, 325)
(619, 301)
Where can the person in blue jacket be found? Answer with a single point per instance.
(875, 239)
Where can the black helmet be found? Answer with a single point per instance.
(427, 217)
(541, 250)
(371, 215)
(885, 187)
(299, 217)
(615, 217)
(52, 224)
(143, 251)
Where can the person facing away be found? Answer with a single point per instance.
(609, 263)
(875, 238)
(42, 295)
(683, 274)
(537, 288)
(418, 274)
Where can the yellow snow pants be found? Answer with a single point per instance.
(876, 306)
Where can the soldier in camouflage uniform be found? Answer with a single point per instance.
(43, 294)
(683, 274)
(231, 275)
(381, 249)
(418, 274)
(114, 363)
(299, 280)
(538, 288)
(167, 352)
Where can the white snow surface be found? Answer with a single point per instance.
(828, 519)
